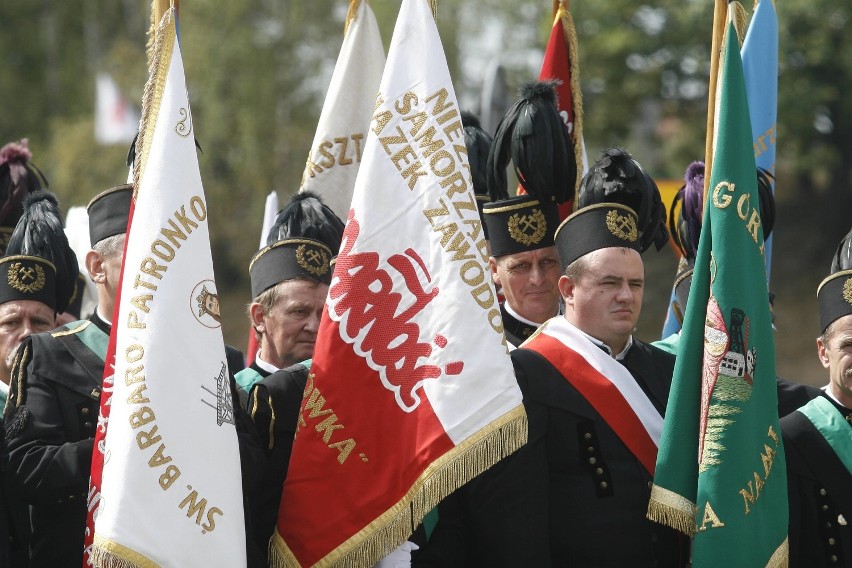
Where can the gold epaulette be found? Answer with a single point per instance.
(83, 324)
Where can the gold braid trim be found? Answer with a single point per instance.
(108, 554)
(158, 69)
(350, 17)
(16, 397)
(673, 510)
(458, 466)
(576, 94)
(781, 557)
(271, 422)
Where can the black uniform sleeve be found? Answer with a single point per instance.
(43, 466)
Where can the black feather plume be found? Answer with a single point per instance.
(39, 232)
(767, 201)
(618, 178)
(533, 134)
(843, 255)
(307, 216)
(478, 144)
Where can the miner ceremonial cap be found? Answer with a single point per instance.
(533, 135)
(40, 264)
(595, 227)
(303, 240)
(618, 178)
(289, 259)
(834, 295)
(108, 212)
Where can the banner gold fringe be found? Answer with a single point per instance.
(781, 557)
(108, 554)
(672, 510)
(576, 94)
(158, 68)
(501, 438)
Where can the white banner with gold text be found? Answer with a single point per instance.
(171, 488)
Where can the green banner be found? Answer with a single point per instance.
(721, 474)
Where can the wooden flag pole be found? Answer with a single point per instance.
(719, 17)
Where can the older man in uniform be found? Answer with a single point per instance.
(54, 398)
(520, 229)
(290, 280)
(818, 442)
(289, 283)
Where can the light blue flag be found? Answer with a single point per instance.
(671, 325)
(760, 66)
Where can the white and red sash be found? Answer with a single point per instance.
(605, 383)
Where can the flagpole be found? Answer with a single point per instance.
(719, 17)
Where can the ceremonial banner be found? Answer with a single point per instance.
(116, 121)
(270, 211)
(338, 145)
(720, 473)
(760, 65)
(170, 493)
(411, 391)
(562, 62)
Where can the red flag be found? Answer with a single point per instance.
(411, 391)
(561, 63)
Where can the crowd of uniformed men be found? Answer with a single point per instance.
(574, 495)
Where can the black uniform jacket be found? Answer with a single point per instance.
(793, 395)
(820, 496)
(573, 496)
(274, 404)
(50, 427)
(516, 331)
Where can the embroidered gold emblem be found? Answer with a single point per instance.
(528, 229)
(622, 226)
(26, 278)
(184, 125)
(314, 260)
(847, 290)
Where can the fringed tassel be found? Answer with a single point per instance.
(158, 68)
(576, 93)
(668, 508)
(107, 554)
(469, 459)
(781, 557)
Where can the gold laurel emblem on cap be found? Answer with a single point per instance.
(847, 290)
(622, 226)
(26, 278)
(528, 229)
(313, 259)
